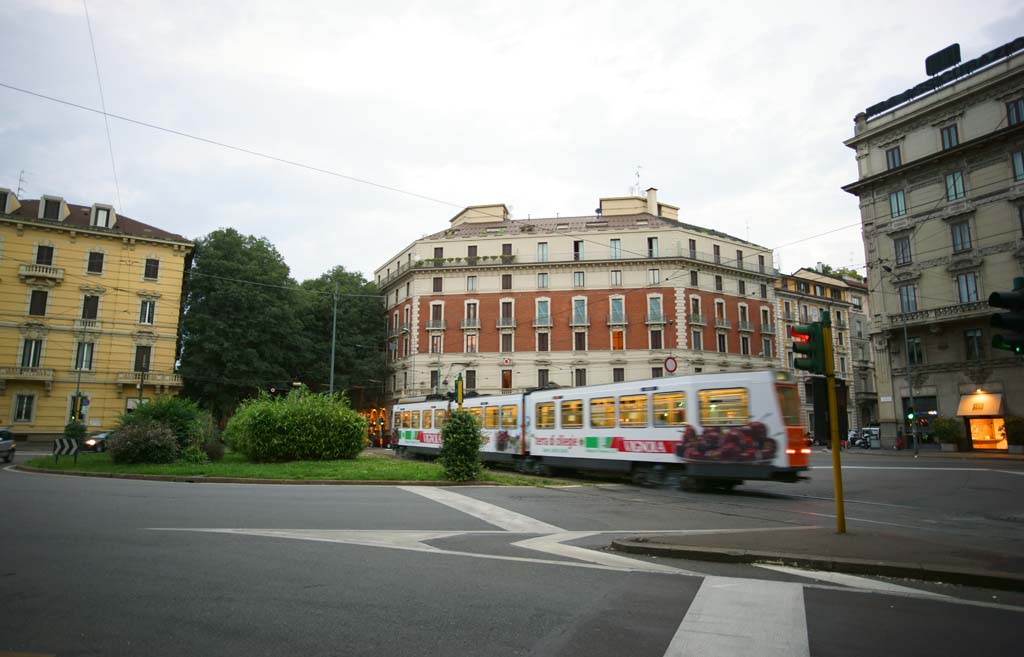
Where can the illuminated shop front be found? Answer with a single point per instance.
(983, 412)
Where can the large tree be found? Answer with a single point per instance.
(240, 326)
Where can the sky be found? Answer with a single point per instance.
(735, 111)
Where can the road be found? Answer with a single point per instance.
(114, 567)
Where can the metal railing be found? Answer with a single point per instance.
(745, 325)
(697, 318)
(579, 320)
(506, 322)
(721, 322)
(436, 325)
(471, 323)
(654, 318)
(616, 319)
(768, 329)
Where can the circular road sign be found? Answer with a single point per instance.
(670, 364)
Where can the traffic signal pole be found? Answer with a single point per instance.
(833, 422)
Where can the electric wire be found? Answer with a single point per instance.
(103, 104)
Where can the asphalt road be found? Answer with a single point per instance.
(113, 567)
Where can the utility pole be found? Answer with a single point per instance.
(833, 422)
(334, 333)
(910, 385)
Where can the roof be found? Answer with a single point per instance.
(79, 217)
(575, 224)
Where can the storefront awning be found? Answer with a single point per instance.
(982, 404)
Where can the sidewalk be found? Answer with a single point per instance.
(927, 452)
(860, 552)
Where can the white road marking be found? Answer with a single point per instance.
(734, 617)
(552, 544)
(852, 581)
(490, 513)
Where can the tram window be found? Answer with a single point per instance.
(440, 416)
(545, 415)
(396, 422)
(602, 412)
(669, 409)
(633, 411)
(406, 419)
(572, 414)
(509, 416)
(478, 414)
(789, 400)
(415, 416)
(724, 407)
(428, 420)
(491, 417)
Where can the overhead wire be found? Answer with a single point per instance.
(103, 104)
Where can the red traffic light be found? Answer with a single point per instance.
(799, 338)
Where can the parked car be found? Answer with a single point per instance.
(7, 445)
(95, 443)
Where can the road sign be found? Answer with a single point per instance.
(64, 447)
(670, 364)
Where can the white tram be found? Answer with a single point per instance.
(723, 427)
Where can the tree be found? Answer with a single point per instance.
(240, 329)
(841, 272)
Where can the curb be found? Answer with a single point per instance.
(198, 479)
(910, 570)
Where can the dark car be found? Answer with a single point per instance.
(95, 443)
(7, 445)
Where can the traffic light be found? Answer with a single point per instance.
(910, 413)
(1012, 321)
(809, 341)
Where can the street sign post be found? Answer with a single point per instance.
(833, 418)
(65, 446)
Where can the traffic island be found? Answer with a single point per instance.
(886, 554)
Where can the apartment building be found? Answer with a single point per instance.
(89, 304)
(801, 298)
(864, 397)
(941, 190)
(626, 293)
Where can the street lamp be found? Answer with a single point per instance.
(910, 374)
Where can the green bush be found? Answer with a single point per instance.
(947, 430)
(143, 442)
(302, 426)
(1013, 430)
(214, 449)
(74, 430)
(190, 424)
(460, 447)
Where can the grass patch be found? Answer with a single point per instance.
(367, 467)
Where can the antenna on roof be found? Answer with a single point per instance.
(748, 229)
(636, 190)
(21, 183)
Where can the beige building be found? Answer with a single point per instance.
(864, 398)
(941, 190)
(89, 304)
(626, 293)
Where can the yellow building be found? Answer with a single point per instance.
(89, 304)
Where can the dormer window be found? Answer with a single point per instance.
(3, 202)
(51, 209)
(101, 217)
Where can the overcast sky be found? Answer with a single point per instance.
(735, 111)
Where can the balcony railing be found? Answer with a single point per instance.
(436, 324)
(87, 325)
(616, 319)
(506, 322)
(27, 373)
(745, 325)
(149, 378)
(471, 323)
(721, 322)
(789, 315)
(839, 325)
(768, 329)
(40, 272)
(404, 327)
(697, 318)
(945, 313)
(544, 321)
(579, 320)
(655, 318)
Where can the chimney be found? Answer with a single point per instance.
(652, 201)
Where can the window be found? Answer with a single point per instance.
(760, 263)
(618, 374)
(656, 339)
(718, 254)
(37, 303)
(542, 251)
(721, 343)
(616, 310)
(542, 281)
(579, 340)
(1018, 165)
(506, 281)
(23, 408)
(972, 344)
(471, 343)
(142, 357)
(471, 310)
(693, 279)
(954, 186)
(967, 286)
(698, 340)
(743, 287)
(616, 278)
(428, 417)
(897, 204)
(577, 250)
(764, 291)
(31, 351)
(471, 283)
(95, 265)
(633, 411)
(654, 309)
(766, 347)
(1015, 111)
(507, 315)
(506, 380)
(470, 379)
(724, 407)
(491, 417)
(892, 158)
(509, 416)
(652, 247)
(718, 283)
(578, 279)
(720, 309)
(949, 137)
(819, 291)
(902, 247)
(915, 351)
(842, 364)
(506, 342)
(147, 311)
(653, 276)
(618, 340)
(438, 258)
(579, 311)
(438, 282)
(542, 378)
(152, 268)
(3, 202)
(543, 312)
(44, 255)
(602, 412)
(669, 409)
(545, 411)
(51, 209)
(90, 307)
(471, 254)
(615, 249)
(961, 236)
(572, 414)
(543, 341)
(506, 253)
(657, 373)
(435, 344)
(744, 345)
(739, 259)
(693, 249)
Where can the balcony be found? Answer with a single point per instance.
(579, 320)
(697, 318)
(768, 329)
(745, 325)
(974, 309)
(436, 324)
(26, 373)
(404, 327)
(544, 321)
(655, 318)
(616, 319)
(87, 325)
(150, 378)
(471, 323)
(789, 316)
(839, 325)
(40, 274)
(506, 322)
(721, 322)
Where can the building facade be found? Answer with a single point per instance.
(627, 293)
(89, 305)
(941, 190)
(864, 397)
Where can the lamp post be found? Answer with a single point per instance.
(910, 375)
